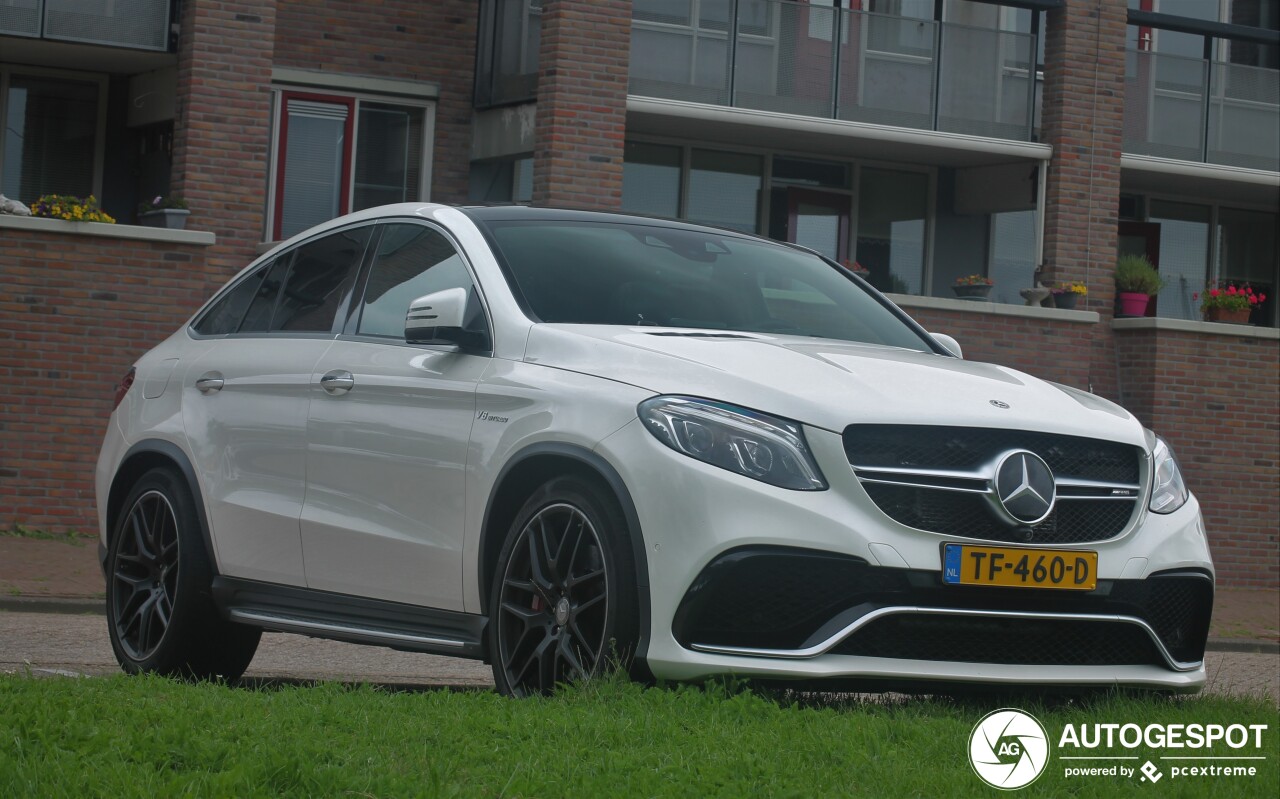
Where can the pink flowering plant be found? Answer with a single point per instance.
(975, 280)
(1229, 297)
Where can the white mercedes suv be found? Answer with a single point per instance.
(558, 440)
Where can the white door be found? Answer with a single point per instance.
(387, 438)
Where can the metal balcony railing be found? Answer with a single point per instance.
(1191, 109)
(137, 24)
(796, 58)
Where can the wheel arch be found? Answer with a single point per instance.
(140, 459)
(528, 469)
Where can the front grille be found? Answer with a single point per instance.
(1073, 521)
(938, 460)
(968, 448)
(789, 598)
(1010, 641)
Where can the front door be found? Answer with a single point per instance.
(387, 438)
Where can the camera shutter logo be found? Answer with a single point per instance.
(1008, 749)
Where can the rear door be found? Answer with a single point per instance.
(245, 399)
(387, 434)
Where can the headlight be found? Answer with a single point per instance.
(1168, 491)
(754, 444)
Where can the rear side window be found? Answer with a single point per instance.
(224, 316)
(321, 276)
(412, 261)
(258, 318)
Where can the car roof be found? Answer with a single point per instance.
(513, 213)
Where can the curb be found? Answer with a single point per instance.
(26, 604)
(31, 604)
(1243, 645)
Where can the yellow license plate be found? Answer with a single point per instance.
(1017, 567)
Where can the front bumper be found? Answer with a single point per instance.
(869, 606)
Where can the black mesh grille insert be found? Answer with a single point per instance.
(967, 448)
(781, 597)
(1073, 521)
(1012, 641)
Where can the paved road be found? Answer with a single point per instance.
(52, 643)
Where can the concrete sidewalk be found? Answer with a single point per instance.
(61, 574)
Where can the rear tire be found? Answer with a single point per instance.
(563, 603)
(160, 614)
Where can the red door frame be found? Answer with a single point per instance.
(348, 140)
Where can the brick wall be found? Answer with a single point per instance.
(1083, 119)
(404, 39)
(75, 312)
(222, 130)
(1214, 398)
(582, 104)
(1051, 349)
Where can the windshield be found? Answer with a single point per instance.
(612, 273)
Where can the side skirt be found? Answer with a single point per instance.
(357, 620)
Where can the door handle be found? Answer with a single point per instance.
(337, 382)
(209, 382)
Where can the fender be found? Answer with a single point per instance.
(614, 480)
(174, 453)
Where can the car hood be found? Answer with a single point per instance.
(825, 383)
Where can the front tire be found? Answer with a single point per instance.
(563, 603)
(160, 615)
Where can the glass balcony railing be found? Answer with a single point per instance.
(137, 24)
(798, 58)
(1207, 111)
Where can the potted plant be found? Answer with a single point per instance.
(1066, 295)
(72, 209)
(1231, 304)
(972, 287)
(165, 212)
(1136, 281)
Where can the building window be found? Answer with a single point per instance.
(507, 54)
(892, 219)
(337, 154)
(502, 180)
(724, 189)
(53, 133)
(651, 179)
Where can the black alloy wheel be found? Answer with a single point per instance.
(160, 613)
(564, 603)
(145, 575)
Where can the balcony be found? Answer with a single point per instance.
(136, 24)
(1209, 112)
(815, 61)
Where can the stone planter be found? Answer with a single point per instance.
(1132, 304)
(978, 291)
(1067, 300)
(1230, 316)
(170, 218)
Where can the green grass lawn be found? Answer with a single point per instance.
(152, 737)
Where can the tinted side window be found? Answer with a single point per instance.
(224, 316)
(412, 261)
(322, 274)
(258, 317)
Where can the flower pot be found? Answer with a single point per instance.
(977, 291)
(1230, 316)
(171, 218)
(1133, 304)
(1066, 300)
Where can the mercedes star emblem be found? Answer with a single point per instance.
(1024, 485)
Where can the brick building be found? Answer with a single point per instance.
(1024, 140)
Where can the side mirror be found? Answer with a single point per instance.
(948, 342)
(427, 315)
